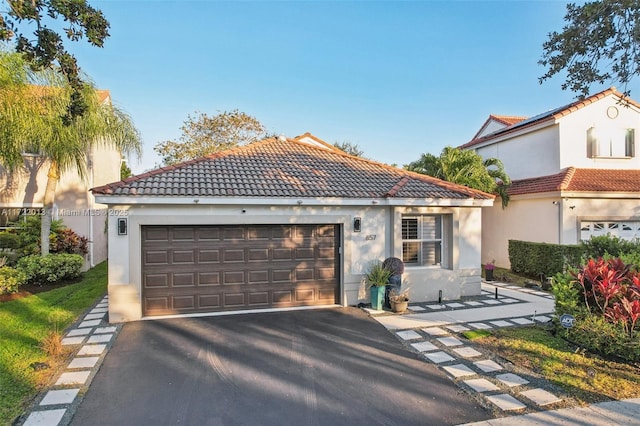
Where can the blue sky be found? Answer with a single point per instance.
(397, 78)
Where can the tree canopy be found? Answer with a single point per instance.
(466, 168)
(600, 43)
(28, 24)
(203, 135)
(32, 106)
(350, 148)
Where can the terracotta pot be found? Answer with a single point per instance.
(399, 307)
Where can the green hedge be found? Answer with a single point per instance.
(531, 259)
(51, 268)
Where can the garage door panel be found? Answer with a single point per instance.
(234, 299)
(208, 278)
(156, 280)
(258, 277)
(156, 258)
(183, 256)
(184, 280)
(209, 256)
(229, 256)
(184, 234)
(217, 268)
(258, 255)
(184, 302)
(209, 301)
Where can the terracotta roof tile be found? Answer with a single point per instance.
(551, 115)
(580, 180)
(286, 168)
(507, 119)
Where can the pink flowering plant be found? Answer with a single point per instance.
(611, 289)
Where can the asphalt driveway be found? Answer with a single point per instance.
(317, 367)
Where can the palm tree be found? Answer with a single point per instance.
(465, 168)
(33, 108)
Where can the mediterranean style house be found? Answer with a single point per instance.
(22, 194)
(283, 222)
(575, 172)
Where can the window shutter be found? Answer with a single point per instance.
(630, 143)
(592, 143)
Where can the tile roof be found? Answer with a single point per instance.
(280, 167)
(551, 115)
(580, 180)
(507, 119)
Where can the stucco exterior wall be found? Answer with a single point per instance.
(524, 219)
(74, 204)
(378, 239)
(527, 155)
(573, 134)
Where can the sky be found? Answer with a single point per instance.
(397, 78)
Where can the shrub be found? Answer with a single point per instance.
(51, 268)
(11, 279)
(61, 239)
(67, 241)
(596, 334)
(532, 259)
(9, 240)
(603, 245)
(567, 294)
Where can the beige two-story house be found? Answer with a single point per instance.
(575, 172)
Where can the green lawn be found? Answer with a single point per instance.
(24, 323)
(585, 377)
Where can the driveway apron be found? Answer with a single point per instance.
(310, 367)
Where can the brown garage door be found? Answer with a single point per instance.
(189, 269)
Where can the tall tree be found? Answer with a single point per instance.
(28, 24)
(466, 168)
(203, 135)
(32, 106)
(350, 148)
(600, 43)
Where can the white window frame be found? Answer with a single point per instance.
(429, 231)
(610, 143)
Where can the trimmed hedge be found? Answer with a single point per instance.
(532, 259)
(51, 268)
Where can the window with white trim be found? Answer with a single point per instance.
(612, 143)
(422, 240)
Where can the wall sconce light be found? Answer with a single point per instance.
(122, 226)
(357, 224)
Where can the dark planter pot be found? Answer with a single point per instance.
(377, 297)
(488, 274)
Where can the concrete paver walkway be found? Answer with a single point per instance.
(431, 329)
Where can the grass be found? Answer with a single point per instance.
(26, 327)
(584, 377)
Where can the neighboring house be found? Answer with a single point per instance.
(283, 223)
(22, 193)
(575, 174)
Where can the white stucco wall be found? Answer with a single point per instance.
(535, 153)
(377, 240)
(526, 219)
(573, 134)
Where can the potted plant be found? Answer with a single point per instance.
(488, 270)
(377, 277)
(399, 300)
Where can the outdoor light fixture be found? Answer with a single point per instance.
(357, 224)
(122, 226)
